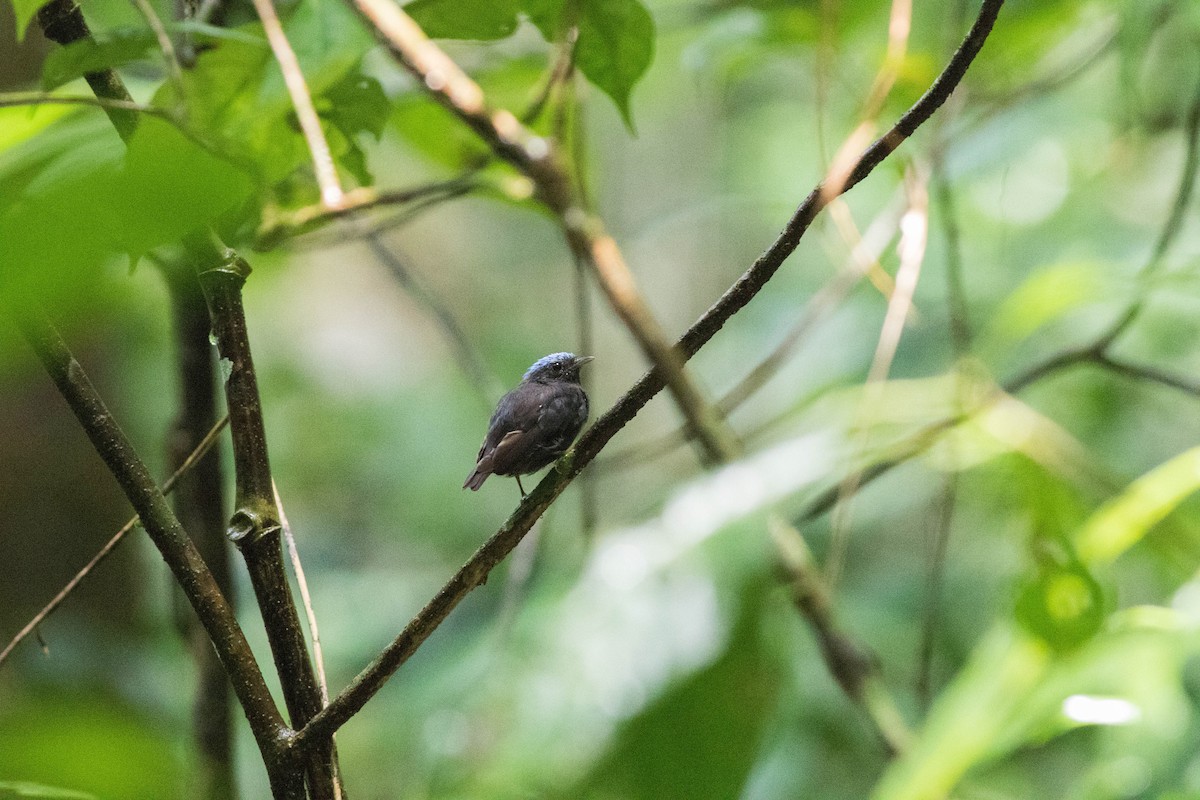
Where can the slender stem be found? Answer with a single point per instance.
(255, 527)
(851, 664)
(168, 485)
(278, 225)
(172, 542)
(487, 386)
(310, 616)
(174, 71)
(200, 505)
(476, 569)
(16, 99)
(310, 124)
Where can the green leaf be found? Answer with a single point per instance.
(483, 20)
(172, 187)
(67, 63)
(1124, 520)
(615, 45)
(356, 104)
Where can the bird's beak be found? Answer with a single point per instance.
(581, 360)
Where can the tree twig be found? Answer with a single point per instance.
(475, 571)
(311, 617)
(310, 124)
(16, 99)
(168, 485)
(280, 225)
(200, 505)
(172, 542)
(255, 527)
(851, 664)
(487, 386)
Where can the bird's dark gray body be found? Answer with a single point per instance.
(536, 422)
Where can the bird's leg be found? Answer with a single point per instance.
(519, 486)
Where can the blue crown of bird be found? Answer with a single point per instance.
(535, 423)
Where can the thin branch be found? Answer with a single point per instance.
(326, 173)
(1174, 223)
(280, 225)
(16, 99)
(914, 227)
(1151, 374)
(475, 571)
(487, 386)
(168, 485)
(169, 537)
(255, 527)
(400, 219)
(851, 664)
(311, 617)
(584, 232)
(174, 71)
(200, 504)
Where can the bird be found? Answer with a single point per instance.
(535, 423)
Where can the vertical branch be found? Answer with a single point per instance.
(173, 543)
(255, 526)
(199, 503)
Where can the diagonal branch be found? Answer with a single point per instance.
(200, 450)
(584, 231)
(310, 124)
(163, 527)
(475, 571)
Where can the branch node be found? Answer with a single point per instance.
(248, 527)
(230, 264)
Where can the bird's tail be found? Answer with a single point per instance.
(475, 480)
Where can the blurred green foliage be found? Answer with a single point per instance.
(659, 654)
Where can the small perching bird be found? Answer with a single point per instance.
(535, 423)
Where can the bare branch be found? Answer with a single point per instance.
(475, 571)
(255, 527)
(168, 485)
(850, 663)
(15, 99)
(279, 225)
(168, 536)
(174, 71)
(326, 173)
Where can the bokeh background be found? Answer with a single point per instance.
(656, 652)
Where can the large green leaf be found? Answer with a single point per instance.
(615, 45)
(95, 199)
(700, 738)
(614, 48)
(465, 19)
